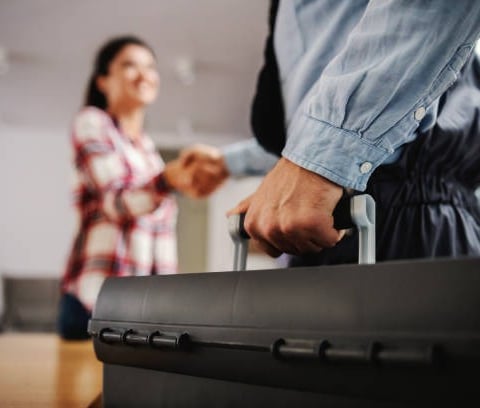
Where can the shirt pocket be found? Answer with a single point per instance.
(288, 39)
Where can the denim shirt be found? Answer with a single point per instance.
(247, 158)
(359, 78)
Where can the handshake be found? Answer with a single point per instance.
(197, 172)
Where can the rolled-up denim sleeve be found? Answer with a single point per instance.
(371, 98)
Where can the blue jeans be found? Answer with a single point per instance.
(72, 318)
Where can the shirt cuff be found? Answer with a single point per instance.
(161, 185)
(340, 155)
(247, 158)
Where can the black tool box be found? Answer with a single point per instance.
(394, 334)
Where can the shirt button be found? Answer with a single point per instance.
(365, 167)
(420, 113)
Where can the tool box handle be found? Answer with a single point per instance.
(357, 211)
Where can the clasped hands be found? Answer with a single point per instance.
(197, 172)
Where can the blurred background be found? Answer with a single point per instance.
(209, 53)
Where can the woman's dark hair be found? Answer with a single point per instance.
(105, 55)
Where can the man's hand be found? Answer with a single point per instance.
(291, 211)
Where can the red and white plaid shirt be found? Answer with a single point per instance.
(127, 218)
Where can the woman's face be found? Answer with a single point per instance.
(132, 79)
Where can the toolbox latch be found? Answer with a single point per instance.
(373, 352)
(174, 341)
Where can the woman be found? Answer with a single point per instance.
(127, 215)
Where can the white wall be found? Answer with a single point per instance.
(36, 220)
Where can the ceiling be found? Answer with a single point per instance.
(51, 44)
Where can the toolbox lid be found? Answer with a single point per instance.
(440, 295)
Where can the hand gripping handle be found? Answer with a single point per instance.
(357, 211)
(240, 241)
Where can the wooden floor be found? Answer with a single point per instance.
(41, 370)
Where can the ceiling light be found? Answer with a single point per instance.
(184, 69)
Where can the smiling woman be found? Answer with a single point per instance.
(125, 76)
(122, 189)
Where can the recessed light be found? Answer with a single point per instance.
(184, 69)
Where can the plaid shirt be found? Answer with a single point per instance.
(126, 217)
